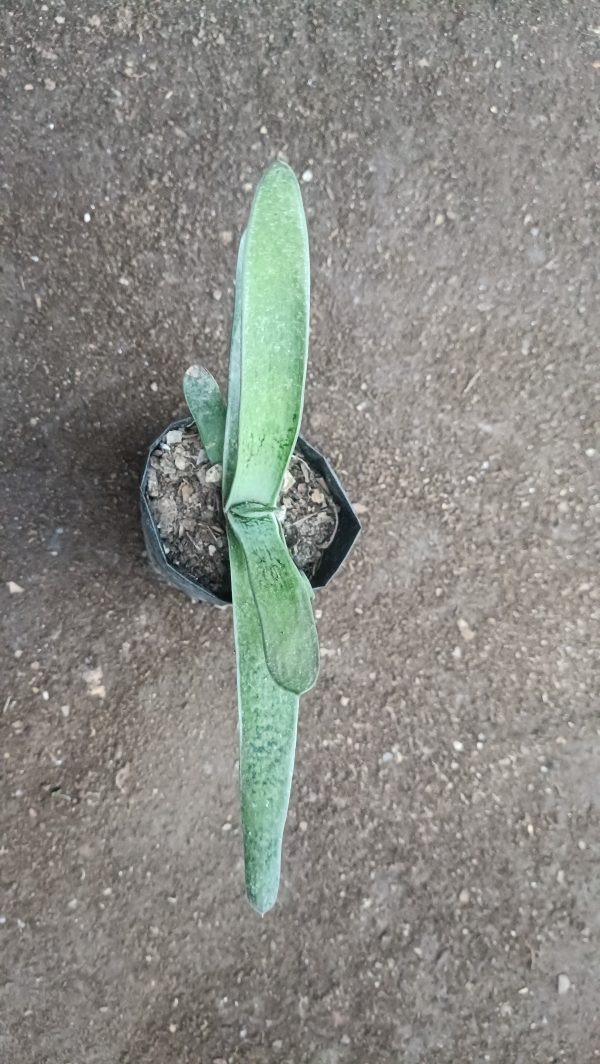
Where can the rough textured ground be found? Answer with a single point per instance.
(441, 866)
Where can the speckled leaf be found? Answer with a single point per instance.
(207, 407)
(268, 717)
(273, 321)
(283, 599)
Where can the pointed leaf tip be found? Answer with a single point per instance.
(208, 410)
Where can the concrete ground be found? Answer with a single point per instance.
(440, 895)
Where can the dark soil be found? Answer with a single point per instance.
(441, 865)
(184, 491)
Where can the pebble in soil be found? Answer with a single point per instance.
(184, 491)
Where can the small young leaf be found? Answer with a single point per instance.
(208, 410)
(268, 718)
(283, 599)
(274, 294)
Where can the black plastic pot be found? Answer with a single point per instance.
(335, 555)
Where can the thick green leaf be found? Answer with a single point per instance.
(233, 393)
(268, 717)
(273, 319)
(283, 598)
(207, 407)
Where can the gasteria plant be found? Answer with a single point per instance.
(253, 437)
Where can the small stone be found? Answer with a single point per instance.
(217, 294)
(154, 386)
(563, 984)
(560, 877)
(14, 589)
(465, 630)
(464, 897)
(458, 746)
(173, 436)
(288, 482)
(49, 84)
(360, 508)
(344, 701)
(226, 237)
(439, 219)
(180, 462)
(122, 776)
(166, 512)
(152, 483)
(307, 176)
(87, 217)
(212, 550)
(93, 679)
(65, 710)
(387, 757)
(214, 474)
(317, 496)
(95, 21)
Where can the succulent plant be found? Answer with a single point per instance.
(253, 437)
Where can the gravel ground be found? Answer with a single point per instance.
(439, 901)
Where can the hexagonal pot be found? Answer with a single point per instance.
(333, 557)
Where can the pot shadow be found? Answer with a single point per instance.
(72, 489)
